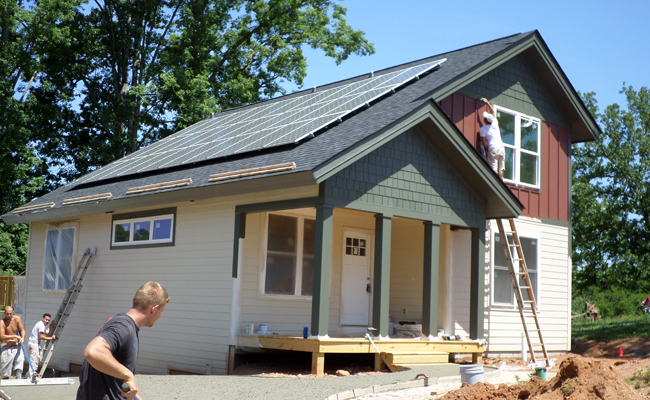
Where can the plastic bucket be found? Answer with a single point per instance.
(471, 373)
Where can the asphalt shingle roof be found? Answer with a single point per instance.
(316, 151)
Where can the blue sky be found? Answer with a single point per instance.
(598, 44)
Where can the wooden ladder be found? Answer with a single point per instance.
(527, 286)
(57, 325)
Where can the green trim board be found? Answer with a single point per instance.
(430, 279)
(322, 270)
(240, 233)
(381, 278)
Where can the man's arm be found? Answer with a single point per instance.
(41, 336)
(21, 328)
(98, 354)
(489, 106)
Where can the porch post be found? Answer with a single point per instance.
(430, 279)
(322, 270)
(477, 285)
(381, 282)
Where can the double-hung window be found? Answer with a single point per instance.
(289, 255)
(521, 136)
(502, 292)
(143, 229)
(59, 252)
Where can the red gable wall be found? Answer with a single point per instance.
(552, 199)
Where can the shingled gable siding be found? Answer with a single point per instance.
(513, 85)
(410, 178)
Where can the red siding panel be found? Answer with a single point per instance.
(563, 174)
(445, 104)
(469, 121)
(524, 197)
(533, 210)
(552, 201)
(546, 186)
(553, 168)
(458, 112)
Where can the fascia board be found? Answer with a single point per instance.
(284, 181)
(568, 89)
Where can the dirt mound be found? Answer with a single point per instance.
(578, 378)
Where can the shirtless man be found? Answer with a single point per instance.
(12, 357)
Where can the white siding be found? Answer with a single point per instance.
(503, 325)
(194, 331)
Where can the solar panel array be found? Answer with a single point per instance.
(268, 124)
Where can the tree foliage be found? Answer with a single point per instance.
(24, 27)
(133, 72)
(611, 198)
(83, 83)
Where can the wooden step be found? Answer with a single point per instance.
(400, 358)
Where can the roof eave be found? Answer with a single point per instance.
(222, 189)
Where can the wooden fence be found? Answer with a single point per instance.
(6, 291)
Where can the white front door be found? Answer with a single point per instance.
(355, 279)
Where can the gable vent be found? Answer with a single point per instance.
(34, 207)
(252, 171)
(160, 186)
(87, 199)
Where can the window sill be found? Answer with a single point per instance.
(523, 186)
(283, 297)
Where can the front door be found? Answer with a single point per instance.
(356, 286)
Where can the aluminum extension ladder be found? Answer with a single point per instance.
(515, 273)
(66, 307)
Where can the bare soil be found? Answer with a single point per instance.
(593, 370)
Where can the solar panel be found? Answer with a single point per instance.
(273, 123)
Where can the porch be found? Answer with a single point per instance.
(393, 353)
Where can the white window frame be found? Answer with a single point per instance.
(517, 150)
(301, 215)
(58, 227)
(495, 247)
(143, 243)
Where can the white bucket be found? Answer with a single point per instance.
(471, 373)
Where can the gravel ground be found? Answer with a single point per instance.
(442, 378)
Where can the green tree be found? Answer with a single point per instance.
(611, 198)
(135, 71)
(24, 26)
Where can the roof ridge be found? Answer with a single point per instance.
(382, 71)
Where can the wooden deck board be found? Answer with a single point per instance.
(322, 346)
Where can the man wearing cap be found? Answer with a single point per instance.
(491, 138)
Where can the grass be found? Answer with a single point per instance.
(611, 328)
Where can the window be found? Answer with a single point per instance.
(502, 292)
(144, 229)
(290, 255)
(521, 137)
(59, 250)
